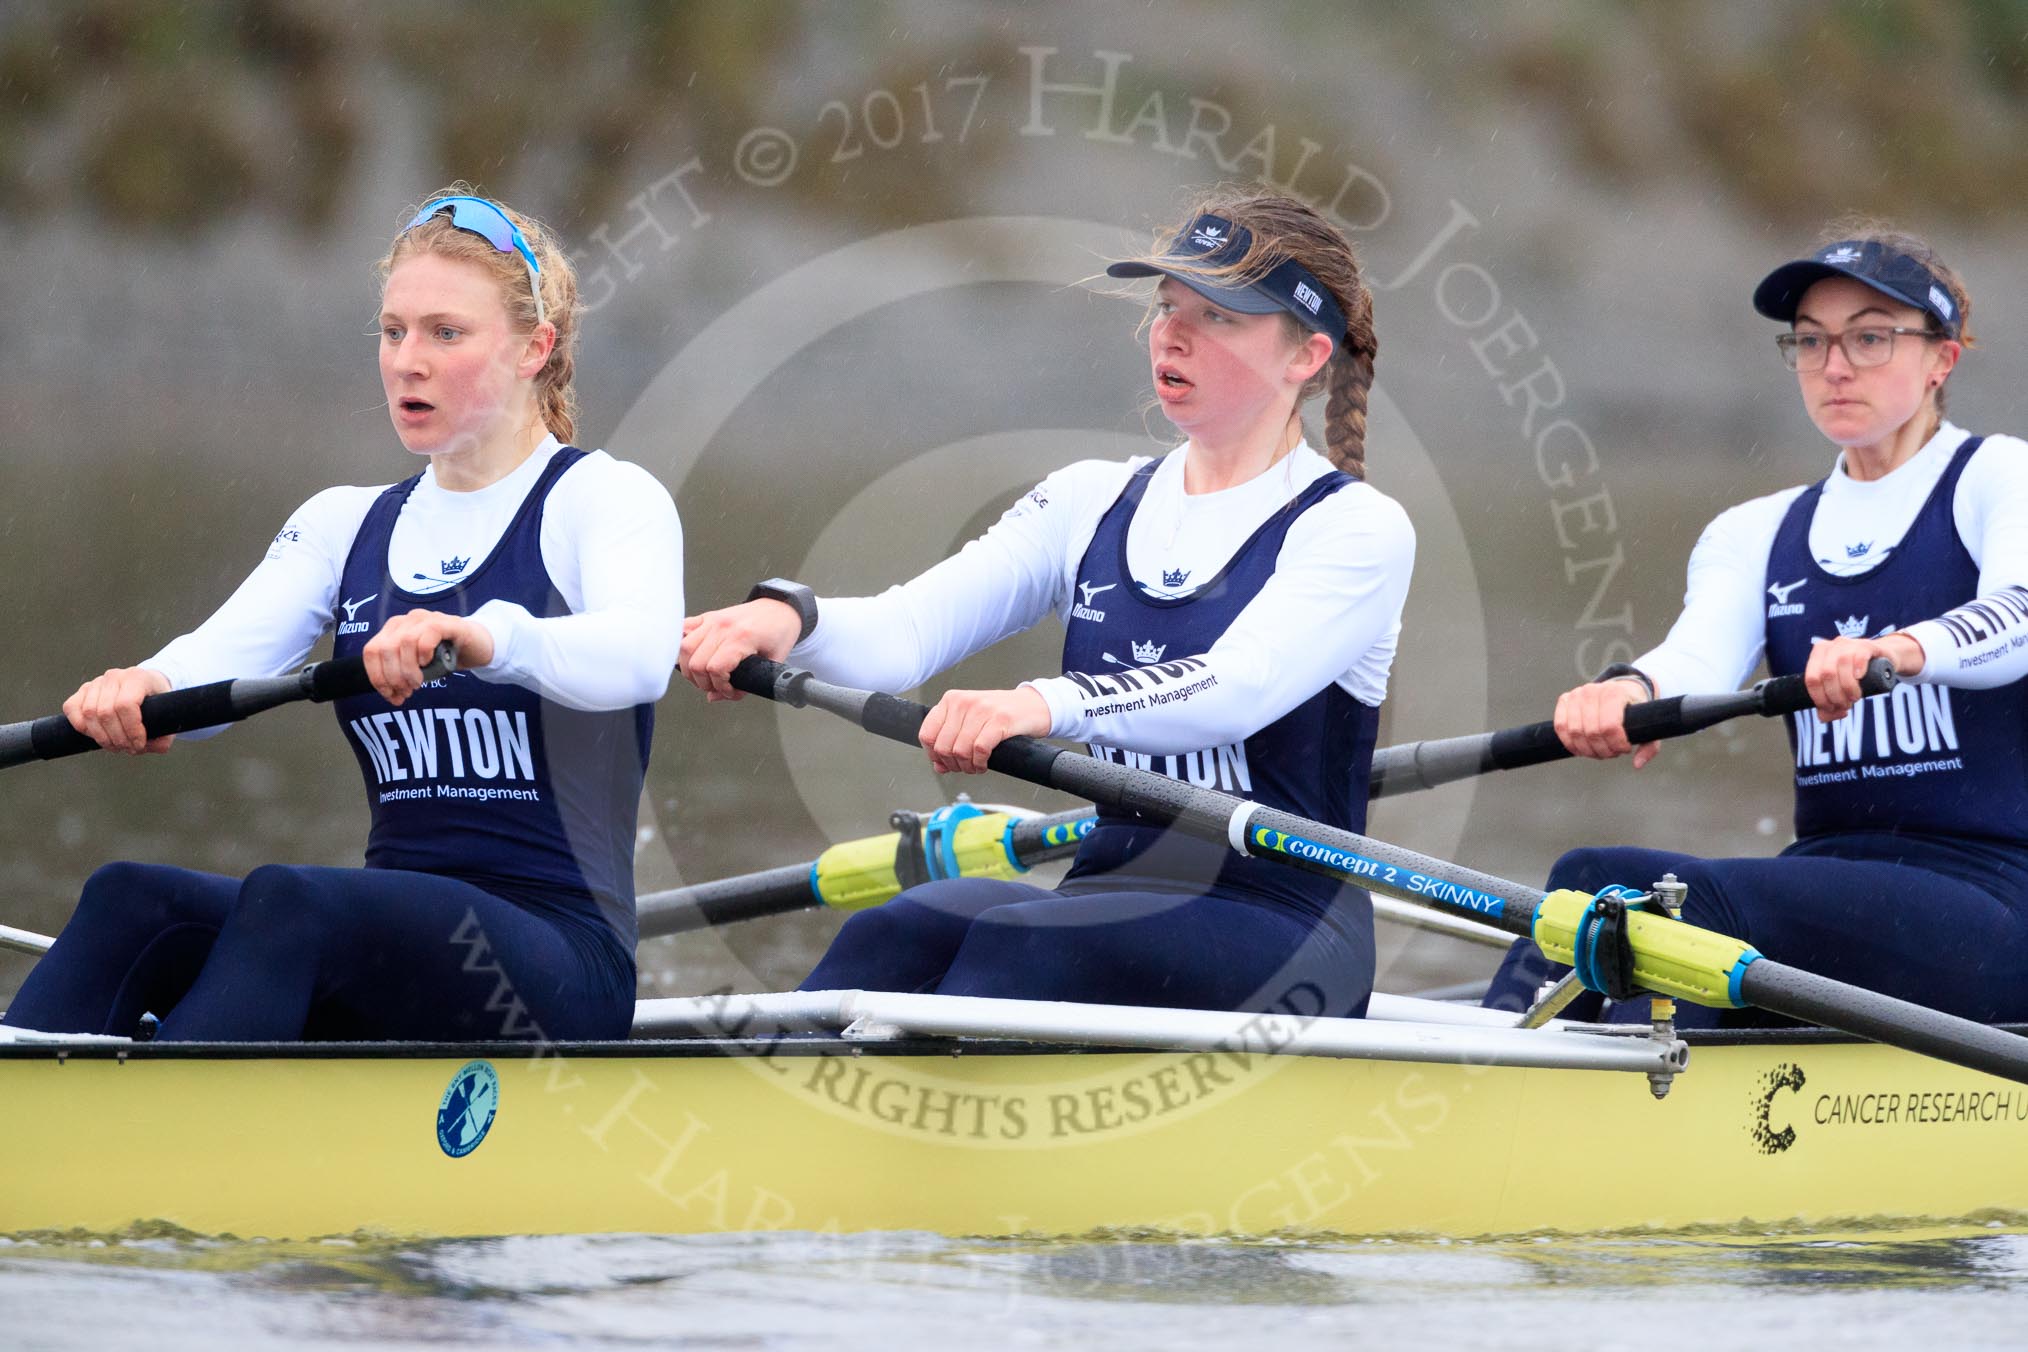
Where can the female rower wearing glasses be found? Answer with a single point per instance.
(1231, 610)
(1909, 873)
(497, 897)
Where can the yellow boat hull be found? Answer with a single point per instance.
(295, 1143)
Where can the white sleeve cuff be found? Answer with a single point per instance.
(1939, 653)
(1060, 695)
(507, 624)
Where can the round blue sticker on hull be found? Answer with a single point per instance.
(466, 1113)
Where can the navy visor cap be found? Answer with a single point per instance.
(1892, 273)
(1212, 241)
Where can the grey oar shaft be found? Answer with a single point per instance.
(1268, 833)
(1425, 765)
(1816, 999)
(703, 905)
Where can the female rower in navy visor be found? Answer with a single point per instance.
(497, 897)
(1175, 573)
(1909, 873)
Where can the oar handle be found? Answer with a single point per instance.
(1424, 765)
(208, 706)
(889, 716)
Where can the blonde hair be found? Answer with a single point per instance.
(555, 398)
(1284, 228)
(1872, 230)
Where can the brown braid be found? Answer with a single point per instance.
(555, 399)
(1351, 375)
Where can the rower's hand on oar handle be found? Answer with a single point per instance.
(1837, 676)
(964, 727)
(719, 640)
(107, 709)
(398, 659)
(1591, 720)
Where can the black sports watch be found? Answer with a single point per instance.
(792, 594)
(1626, 671)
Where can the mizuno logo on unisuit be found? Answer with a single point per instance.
(352, 624)
(1781, 591)
(1083, 610)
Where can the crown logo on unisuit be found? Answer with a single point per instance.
(1149, 652)
(1852, 626)
(1175, 577)
(455, 565)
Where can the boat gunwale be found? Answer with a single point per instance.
(785, 1044)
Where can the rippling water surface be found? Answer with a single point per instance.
(1858, 1290)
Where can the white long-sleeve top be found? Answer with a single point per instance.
(1720, 636)
(610, 539)
(1330, 612)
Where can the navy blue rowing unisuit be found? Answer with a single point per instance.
(487, 781)
(1927, 759)
(1312, 761)
(1909, 874)
(1147, 916)
(497, 900)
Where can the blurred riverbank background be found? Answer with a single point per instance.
(834, 256)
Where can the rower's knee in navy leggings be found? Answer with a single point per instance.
(138, 898)
(1591, 868)
(135, 941)
(283, 897)
(907, 944)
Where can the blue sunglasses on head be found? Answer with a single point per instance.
(486, 220)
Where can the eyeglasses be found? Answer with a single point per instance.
(486, 220)
(1868, 345)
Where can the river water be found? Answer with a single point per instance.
(1719, 1290)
